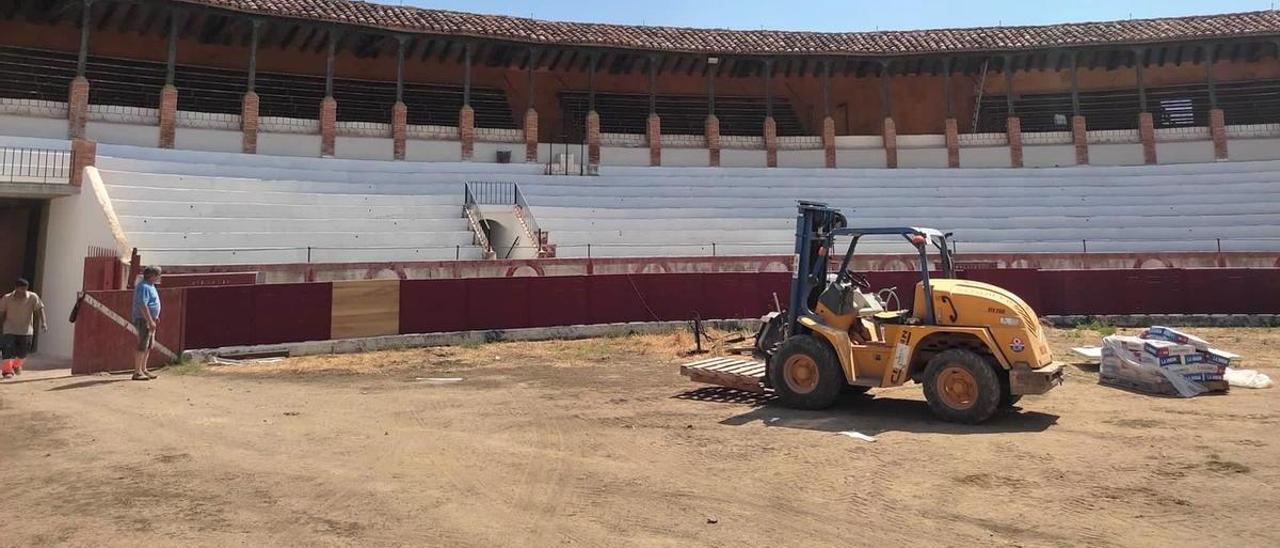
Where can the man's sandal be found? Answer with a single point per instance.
(140, 377)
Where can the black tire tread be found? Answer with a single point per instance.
(989, 390)
(830, 376)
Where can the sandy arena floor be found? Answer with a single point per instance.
(602, 443)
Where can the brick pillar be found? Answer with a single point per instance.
(1147, 135)
(83, 154)
(467, 131)
(953, 143)
(654, 133)
(1080, 137)
(713, 141)
(168, 115)
(890, 143)
(829, 141)
(531, 135)
(399, 123)
(249, 123)
(328, 125)
(1013, 129)
(77, 107)
(593, 138)
(770, 142)
(1218, 130)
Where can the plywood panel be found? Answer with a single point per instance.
(365, 309)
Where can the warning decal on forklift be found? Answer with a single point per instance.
(1016, 345)
(900, 357)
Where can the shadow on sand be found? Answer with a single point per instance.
(867, 414)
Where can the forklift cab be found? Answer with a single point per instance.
(844, 299)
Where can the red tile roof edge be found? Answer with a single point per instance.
(761, 42)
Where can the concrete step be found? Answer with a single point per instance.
(785, 209)
(296, 256)
(451, 188)
(144, 208)
(192, 239)
(1019, 234)
(159, 194)
(133, 223)
(916, 218)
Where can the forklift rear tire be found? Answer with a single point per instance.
(961, 386)
(805, 373)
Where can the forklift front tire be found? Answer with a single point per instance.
(961, 386)
(805, 373)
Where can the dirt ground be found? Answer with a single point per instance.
(602, 443)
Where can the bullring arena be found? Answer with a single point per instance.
(430, 276)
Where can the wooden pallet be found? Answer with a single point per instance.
(734, 373)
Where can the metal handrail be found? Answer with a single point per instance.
(475, 219)
(34, 165)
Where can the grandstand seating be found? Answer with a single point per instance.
(182, 207)
(682, 211)
(185, 208)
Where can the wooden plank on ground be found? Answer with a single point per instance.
(366, 308)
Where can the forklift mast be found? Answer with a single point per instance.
(815, 226)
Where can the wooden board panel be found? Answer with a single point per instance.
(365, 309)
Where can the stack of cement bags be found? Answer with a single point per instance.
(1164, 361)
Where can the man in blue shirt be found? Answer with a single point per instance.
(146, 314)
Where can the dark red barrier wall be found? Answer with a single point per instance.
(103, 345)
(205, 317)
(508, 303)
(258, 314)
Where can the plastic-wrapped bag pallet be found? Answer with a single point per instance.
(1159, 366)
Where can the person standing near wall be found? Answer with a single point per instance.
(146, 316)
(21, 312)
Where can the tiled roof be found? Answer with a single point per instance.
(762, 42)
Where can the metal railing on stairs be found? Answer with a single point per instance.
(475, 219)
(509, 194)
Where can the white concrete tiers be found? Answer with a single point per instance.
(189, 208)
(683, 211)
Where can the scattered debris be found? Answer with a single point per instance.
(712, 520)
(1247, 378)
(438, 380)
(291, 413)
(1093, 353)
(858, 436)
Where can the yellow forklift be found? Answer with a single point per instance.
(973, 346)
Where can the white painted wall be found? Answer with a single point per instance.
(922, 157)
(1127, 154)
(364, 148)
(436, 151)
(802, 158)
(289, 144)
(1049, 156)
(1254, 149)
(737, 157)
(686, 157)
(123, 134)
(213, 140)
(75, 223)
(984, 156)
(860, 157)
(28, 126)
(624, 156)
(1184, 152)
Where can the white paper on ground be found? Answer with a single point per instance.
(1091, 352)
(1247, 378)
(858, 436)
